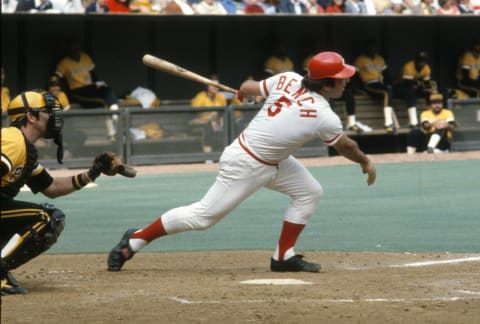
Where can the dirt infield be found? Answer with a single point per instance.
(206, 287)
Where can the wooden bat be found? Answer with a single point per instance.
(170, 68)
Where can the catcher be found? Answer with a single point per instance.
(28, 229)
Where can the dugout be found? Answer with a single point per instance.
(232, 46)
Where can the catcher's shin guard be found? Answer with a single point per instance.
(34, 240)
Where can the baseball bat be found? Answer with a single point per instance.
(170, 68)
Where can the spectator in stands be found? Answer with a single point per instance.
(209, 7)
(382, 6)
(44, 5)
(468, 71)
(118, 6)
(313, 8)
(230, 6)
(25, 5)
(465, 7)
(210, 122)
(141, 6)
(97, 6)
(372, 71)
(415, 81)
(279, 62)
(355, 7)
(5, 93)
(9, 6)
(169, 7)
(253, 7)
(436, 127)
(447, 7)
(335, 6)
(425, 7)
(77, 69)
(295, 7)
(269, 6)
(72, 7)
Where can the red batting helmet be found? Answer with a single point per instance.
(329, 65)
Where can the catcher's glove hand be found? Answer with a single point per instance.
(110, 164)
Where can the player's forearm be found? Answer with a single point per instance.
(65, 185)
(349, 149)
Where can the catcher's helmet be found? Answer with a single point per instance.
(33, 101)
(329, 65)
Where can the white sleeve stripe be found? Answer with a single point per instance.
(5, 160)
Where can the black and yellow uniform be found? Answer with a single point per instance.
(419, 138)
(415, 80)
(468, 72)
(80, 78)
(370, 70)
(23, 221)
(211, 124)
(27, 229)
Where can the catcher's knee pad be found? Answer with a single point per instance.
(35, 239)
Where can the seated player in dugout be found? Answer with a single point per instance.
(77, 69)
(211, 122)
(436, 127)
(415, 81)
(468, 72)
(29, 229)
(374, 79)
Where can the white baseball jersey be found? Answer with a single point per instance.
(291, 116)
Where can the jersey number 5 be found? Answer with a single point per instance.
(277, 106)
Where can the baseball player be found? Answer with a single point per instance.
(29, 229)
(468, 72)
(436, 127)
(415, 80)
(77, 69)
(296, 110)
(371, 68)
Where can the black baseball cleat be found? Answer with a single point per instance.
(116, 258)
(294, 264)
(10, 285)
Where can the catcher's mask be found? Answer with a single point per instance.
(37, 101)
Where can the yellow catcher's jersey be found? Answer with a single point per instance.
(77, 73)
(429, 116)
(471, 63)
(14, 155)
(203, 100)
(275, 65)
(409, 72)
(370, 70)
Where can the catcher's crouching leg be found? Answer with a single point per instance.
(34, 239)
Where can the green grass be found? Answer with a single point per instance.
(431, 206)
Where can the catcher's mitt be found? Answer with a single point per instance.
(110, 164)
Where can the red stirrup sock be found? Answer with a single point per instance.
(151, 232)
(288, 238)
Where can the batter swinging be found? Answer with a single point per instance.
(296, 110)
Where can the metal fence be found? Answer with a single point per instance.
(467, 114)
(162, 135)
